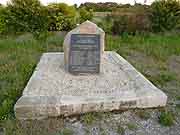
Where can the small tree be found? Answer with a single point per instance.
(165, 15)
(26, 16)
(85, 14)
(61, 17)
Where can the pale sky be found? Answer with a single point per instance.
(71, 2)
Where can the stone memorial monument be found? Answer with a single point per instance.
(84, 79)
(83, 48)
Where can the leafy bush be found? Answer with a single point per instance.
(166, 118)
(107, 24)
(61, 17)
(26, 16)
(131, 24)
(85, 14)
(2, 19)
(165, 15)
(131, 20)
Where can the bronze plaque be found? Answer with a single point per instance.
(84, 53)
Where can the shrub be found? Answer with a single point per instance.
(2, 19)
(85, 14)
(131, 24)
(131, 20)
(61, 17)
(89, 118)
(26, 16)
(107, 24)
(165, 15)
(166, 118)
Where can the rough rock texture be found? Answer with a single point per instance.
(84, 28)
(53, 92)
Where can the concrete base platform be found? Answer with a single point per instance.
(52, 91)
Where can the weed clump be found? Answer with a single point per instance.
(166, 118)
(121, 130)
(89, 118)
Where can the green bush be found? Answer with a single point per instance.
(61, 17)
(85, 14)
(131, 24)
(131, 20)
(166, 118)
(107, 24)
(165, 15)
(26, 16)
(2, 20)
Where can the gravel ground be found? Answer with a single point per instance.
(128, 120)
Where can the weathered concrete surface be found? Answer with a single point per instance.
(53, 92)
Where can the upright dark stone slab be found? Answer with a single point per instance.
(84, 53)
(83, 48)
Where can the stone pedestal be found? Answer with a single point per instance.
(53, 92)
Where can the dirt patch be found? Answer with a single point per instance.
(146, 64)
(33, 127)
(2, 131)
(174, 64)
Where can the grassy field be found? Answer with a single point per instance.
(156, 56)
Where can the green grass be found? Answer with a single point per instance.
(89, 118)
(158, 46)
(18, 58)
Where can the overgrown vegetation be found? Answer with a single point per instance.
(166, 118)
(2, 19)
(32, 16)
(161, 16)
(165, 15)
(61, 17)
(18, 58)
(89, 118)
(26, 16)
(85, 15)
